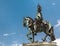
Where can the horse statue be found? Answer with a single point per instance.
(38, 25)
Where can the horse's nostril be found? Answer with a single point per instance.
(24, 24)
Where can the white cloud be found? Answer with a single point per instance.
(15, 44)
(53, 3)
(58, 24)
(20, 45)
(57, 42)
(8, 34)
(5, 34)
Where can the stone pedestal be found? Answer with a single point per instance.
(40, 44)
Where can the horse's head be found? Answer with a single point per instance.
(27, 21)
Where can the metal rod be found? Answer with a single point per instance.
(32, 37)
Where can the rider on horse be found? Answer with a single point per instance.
(38, 19)
(39, 14)
(38, 25)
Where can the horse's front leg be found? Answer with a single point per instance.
(29, 35)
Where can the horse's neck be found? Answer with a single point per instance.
(31, 22)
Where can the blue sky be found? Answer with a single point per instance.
(11, 17)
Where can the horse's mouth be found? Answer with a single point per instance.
(24, 24)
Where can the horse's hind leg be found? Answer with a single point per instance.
(44, 39)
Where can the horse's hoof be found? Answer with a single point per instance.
(30, 38)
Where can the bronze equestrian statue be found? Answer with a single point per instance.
(38, 25)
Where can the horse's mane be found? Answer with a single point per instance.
(30, 18)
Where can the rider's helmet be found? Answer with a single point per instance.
(39, 14)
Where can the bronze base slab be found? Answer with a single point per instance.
(41, 44)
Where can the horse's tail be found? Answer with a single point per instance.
(52, 37)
